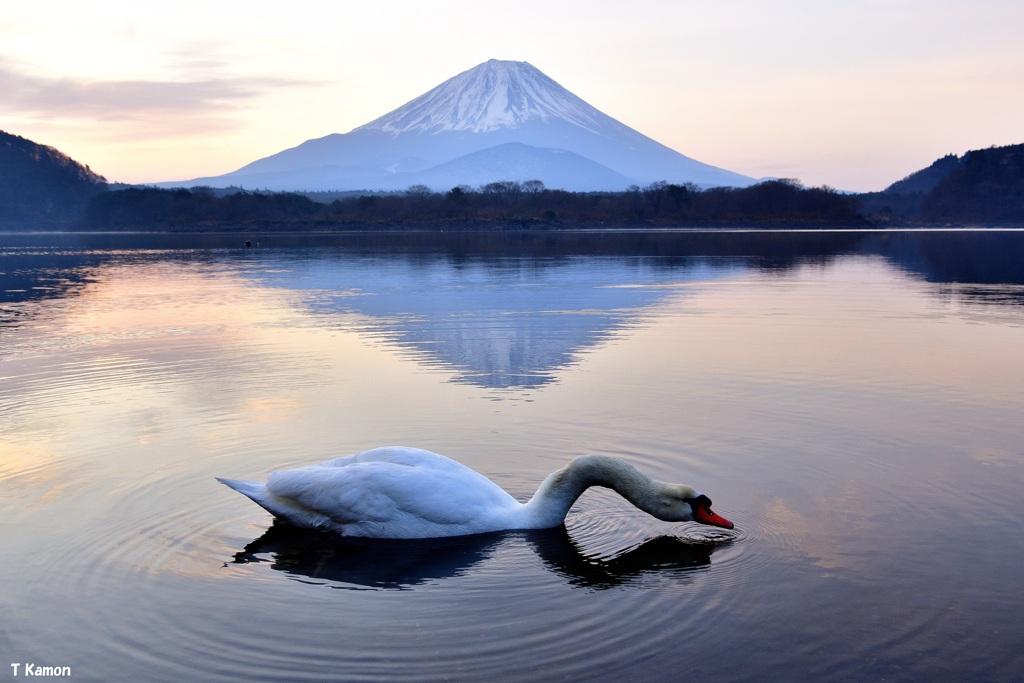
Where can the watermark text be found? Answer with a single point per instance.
(32, 669)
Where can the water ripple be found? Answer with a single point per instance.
(144, 578)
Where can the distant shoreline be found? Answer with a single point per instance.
(638, 230)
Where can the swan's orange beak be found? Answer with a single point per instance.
(705, 515)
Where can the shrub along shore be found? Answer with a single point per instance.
(776, 203)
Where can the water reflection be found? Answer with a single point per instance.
(499, 324)
(830, 395)
(665, 555)
(980, 266)
(502, 311)
(324, 558)
(509, 312)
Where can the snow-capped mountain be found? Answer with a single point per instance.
(492, 96)
(501, 120)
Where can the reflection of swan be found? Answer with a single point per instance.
(661, 554)
(400, 492)
(324, 557)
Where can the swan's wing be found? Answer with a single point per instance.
(377, 494)
(279, 507)
(401, 455)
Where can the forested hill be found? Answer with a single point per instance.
(987, 186)
(983, 187)
(40, 186)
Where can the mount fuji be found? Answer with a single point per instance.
(499, 121)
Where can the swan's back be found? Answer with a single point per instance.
(409, 457)
(392, 492)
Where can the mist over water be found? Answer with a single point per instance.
(851, 401)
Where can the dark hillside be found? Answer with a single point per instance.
(986, 187)
(927, 178)
(40, 186)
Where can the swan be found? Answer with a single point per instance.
(401, 492)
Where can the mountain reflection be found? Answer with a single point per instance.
(510, 311)
(325, 558)
(499, 323)
(503, 310)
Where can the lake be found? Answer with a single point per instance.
(853, 401)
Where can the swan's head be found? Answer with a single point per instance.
(683, 504)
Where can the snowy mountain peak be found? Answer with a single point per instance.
(501, 120)
(493, 95)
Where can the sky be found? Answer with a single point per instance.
(852, 94)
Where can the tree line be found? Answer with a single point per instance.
(504, 203)
(42, 187)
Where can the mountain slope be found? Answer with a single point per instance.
(982, 187)
(40, 185)
(986, 186)
(927, 178)
(489, 106)
(518, 162)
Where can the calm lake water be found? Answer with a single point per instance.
(854, 402)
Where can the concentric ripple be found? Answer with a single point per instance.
(145, 573)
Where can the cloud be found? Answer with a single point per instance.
(30, 94)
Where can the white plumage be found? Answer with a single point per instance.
(399, 492)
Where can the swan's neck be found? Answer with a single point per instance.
(556, 494)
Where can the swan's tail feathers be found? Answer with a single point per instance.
(253, 489)
(282, 508)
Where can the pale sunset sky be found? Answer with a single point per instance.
(854, 94)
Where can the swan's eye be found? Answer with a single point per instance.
(697, 503)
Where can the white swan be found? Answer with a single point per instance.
(398, 492)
